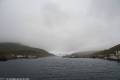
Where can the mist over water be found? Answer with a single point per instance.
(61, 26)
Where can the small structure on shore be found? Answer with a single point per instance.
(115, 56)
(118, 54)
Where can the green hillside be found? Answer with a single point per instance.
(15, 50)
(112, 53)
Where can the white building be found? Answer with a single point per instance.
(118, 54)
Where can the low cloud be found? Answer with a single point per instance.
(61, 26)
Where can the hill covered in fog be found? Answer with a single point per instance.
(15, 50)
(112, 53)
(85, 54)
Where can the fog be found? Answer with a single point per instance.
(61, 26)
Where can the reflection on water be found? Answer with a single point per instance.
(56, 68)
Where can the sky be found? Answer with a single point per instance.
(61, 26)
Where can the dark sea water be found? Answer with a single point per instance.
(56, 68)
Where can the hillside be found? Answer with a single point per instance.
(109, 53)
(112, 53)
(85, 54)
(15, 50)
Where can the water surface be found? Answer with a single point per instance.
(57, 68)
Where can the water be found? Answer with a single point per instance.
(56, 68)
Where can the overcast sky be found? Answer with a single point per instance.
(61, 26)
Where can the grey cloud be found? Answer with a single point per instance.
(61, 26)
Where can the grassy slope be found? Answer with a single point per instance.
(95, 54)
(10, 50)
